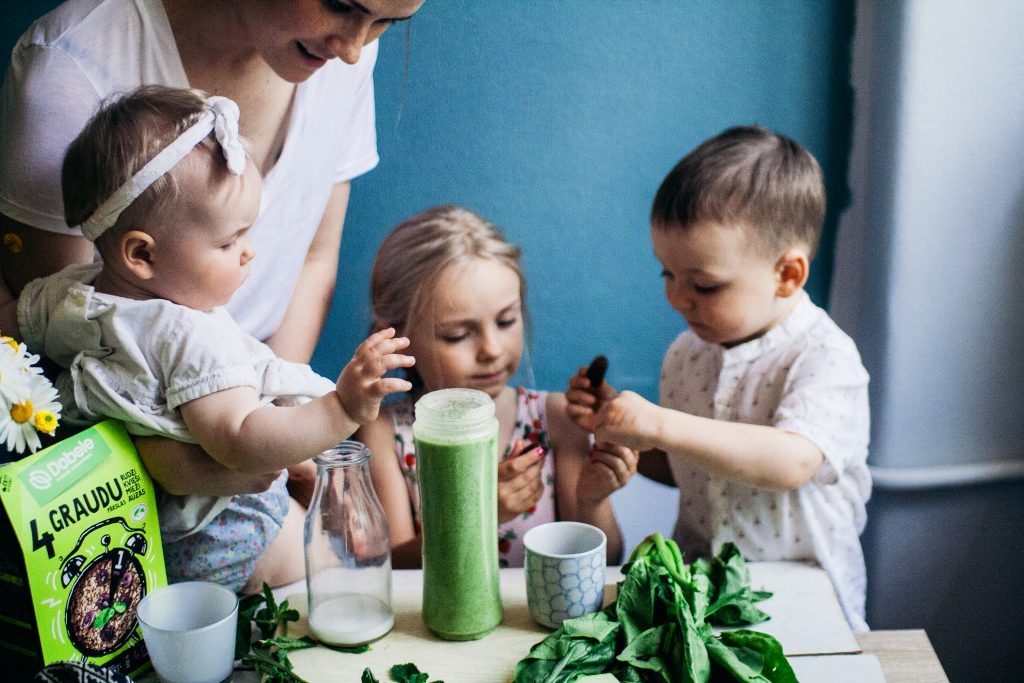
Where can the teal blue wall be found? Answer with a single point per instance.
(557, 120)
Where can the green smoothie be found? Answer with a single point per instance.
(458, 509)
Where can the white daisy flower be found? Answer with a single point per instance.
(35, 411)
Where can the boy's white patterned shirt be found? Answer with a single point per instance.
(803, 376)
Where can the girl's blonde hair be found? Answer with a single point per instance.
(118, 141)
(414, 255)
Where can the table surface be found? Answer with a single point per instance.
(806, 619)
(905, 656)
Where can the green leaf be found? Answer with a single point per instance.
(120, 607)
(733, 600)
(368, 676)
(776, 667)
(103, 617)
(407, 673)
(584, 645)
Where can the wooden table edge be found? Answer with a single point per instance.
(906, 656)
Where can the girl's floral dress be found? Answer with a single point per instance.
(531, 426)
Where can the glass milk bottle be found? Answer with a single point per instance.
(348, 552)
(456, 437)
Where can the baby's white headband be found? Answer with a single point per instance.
(221, 116)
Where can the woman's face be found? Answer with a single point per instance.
(297, 37)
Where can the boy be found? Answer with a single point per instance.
(764, 405)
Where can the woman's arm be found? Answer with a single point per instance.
(27, 253)
(583, 484)
(388, 482)
(754, 455)
(300, 329)
(185, 469)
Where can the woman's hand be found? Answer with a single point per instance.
(609, 468)
(362, 385)
(519, 481)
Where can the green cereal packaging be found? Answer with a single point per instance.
(79, 547)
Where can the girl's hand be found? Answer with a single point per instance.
(362, 385)
(584, 401)
(610, 466)
(519, 481)
(629, 420)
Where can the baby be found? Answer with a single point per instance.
(159, 181)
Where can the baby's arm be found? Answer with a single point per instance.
(238, 432)
(585, 479)
(755, 455)
(389, 483)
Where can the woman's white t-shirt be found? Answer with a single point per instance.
(72, 59)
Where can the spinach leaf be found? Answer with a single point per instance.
(733, 600)
(658, 630)
(584, 645)
(775, 667)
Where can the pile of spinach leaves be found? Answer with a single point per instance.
(659, 627)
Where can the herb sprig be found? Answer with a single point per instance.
(268, 654)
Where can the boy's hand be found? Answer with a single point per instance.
(608, 470)
(584, 401)
(519, 482)
(628, 419)
(362, 385)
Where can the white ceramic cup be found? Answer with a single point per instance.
(189, 631)
(564, 571)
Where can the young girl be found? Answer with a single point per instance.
(160, 182)
(450, 282)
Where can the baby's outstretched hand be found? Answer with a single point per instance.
(362, 385)
(584, 401)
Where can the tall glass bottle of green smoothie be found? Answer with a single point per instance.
(456, 436)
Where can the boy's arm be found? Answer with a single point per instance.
(754, 455)
(576, 471)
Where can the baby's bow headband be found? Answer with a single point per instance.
(221, 116)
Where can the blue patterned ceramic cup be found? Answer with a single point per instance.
(564, 571)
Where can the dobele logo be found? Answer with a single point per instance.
(54, 473)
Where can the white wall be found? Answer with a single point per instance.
(929, 280)
(938, 177)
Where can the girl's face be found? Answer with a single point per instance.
(297, 37)
(471, 336)
(202, 252)
(724, 287)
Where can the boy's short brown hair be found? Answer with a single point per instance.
(751, 176)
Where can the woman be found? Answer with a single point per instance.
(301, 72)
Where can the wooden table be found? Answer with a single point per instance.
(806, 619)
(905, 656)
